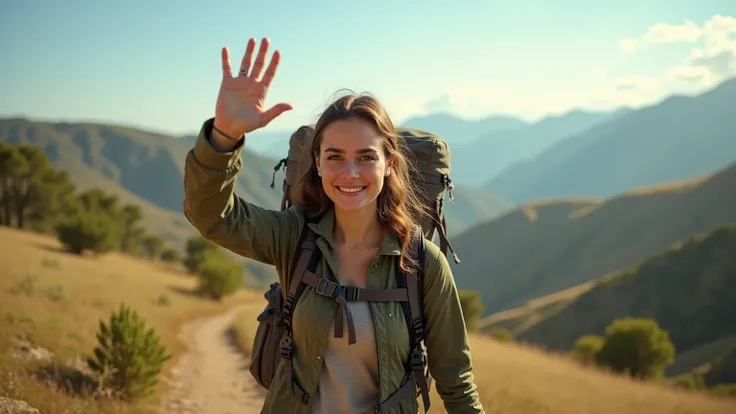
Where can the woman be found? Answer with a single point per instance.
(356, 197)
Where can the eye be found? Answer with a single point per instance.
(333, 157)
(367, 158)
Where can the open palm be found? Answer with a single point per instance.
(240, 104)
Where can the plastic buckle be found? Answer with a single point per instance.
(323, 285)
(287, 347)
(417, 359)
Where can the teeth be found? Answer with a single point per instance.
(350, 190)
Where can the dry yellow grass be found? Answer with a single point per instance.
(512, 378)
(517, 379)
(56, 301)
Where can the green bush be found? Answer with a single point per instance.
(472, 306)
(502, 334)
(691, 381)
(87, 231)
(170, 255)
(637, 346)
(131, 354)
(218, 275)
(586, 348)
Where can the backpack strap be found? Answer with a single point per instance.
(413, 283)
(438, 216)
(305, 260)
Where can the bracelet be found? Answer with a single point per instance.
(222, 133)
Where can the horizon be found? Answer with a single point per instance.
(554, 59)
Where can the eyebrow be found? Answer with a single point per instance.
(361, 151)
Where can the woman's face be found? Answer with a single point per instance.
(352, 164)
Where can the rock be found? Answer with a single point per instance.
(27, 350)
(8, 406)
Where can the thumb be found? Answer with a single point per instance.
(273, 112)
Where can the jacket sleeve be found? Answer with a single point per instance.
(446, 339)
(222, 217)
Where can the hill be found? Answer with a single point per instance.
(54, 301)
(689, 288)
(678, 138)
(544, 247)
(490, 153)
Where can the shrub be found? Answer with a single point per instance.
(637, 346)
(472, 306)
(133, 352)
(502, 334)
(586, 348)
(87, 231)
(218, 275)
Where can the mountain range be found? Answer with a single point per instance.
(543, 247)
(678, 138)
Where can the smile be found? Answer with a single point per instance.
(350, 190)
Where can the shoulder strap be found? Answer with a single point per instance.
(413, 309)
(305, 260)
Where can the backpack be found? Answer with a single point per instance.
(429, 154)
(273, 340)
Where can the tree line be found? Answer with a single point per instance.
(37, 196)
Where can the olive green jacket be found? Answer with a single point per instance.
(271, 236)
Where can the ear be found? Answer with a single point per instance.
(391, 161)
(316, 160)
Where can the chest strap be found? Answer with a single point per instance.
(343, 294)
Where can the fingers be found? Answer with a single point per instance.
(258, 66)
(271, 70)
(272, 113)
(226, 69)
(248, 56)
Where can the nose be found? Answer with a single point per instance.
(351, 170)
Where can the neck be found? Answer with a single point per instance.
(358, 229)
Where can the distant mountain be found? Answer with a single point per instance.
(678, 138)
(459, 132)
(689, 288)
(472, 207)
(545, 247)
(455, 130)
(490, 153)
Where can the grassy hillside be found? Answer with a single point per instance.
(676, 139)
(689, 289)
(542, 248)
(55, 301)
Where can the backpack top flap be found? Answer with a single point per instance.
(299, 153)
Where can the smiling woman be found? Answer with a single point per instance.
(356, 212)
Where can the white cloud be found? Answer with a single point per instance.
(668, 33)
(713, 57)
(628, 45)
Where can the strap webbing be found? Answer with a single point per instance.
(344, 294)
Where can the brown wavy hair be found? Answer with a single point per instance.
(399, 205)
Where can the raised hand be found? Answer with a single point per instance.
(240, 104)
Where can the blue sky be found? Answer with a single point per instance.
(156, 64)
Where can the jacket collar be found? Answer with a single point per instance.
(324, 228)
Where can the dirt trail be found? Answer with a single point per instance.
(213, 377)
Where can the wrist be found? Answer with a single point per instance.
(226, 132)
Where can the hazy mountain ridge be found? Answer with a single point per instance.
(541, 248)
(679, 137)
